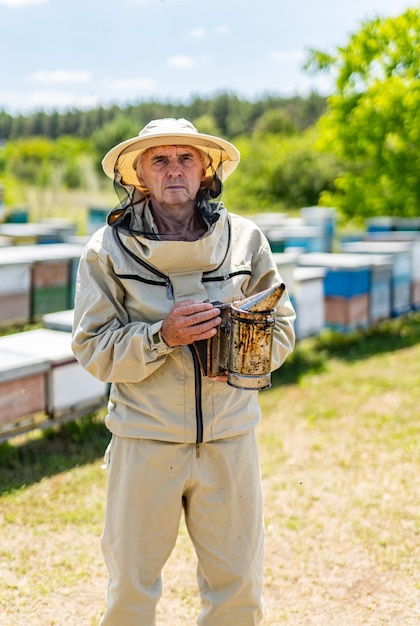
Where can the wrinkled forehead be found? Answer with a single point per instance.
(170, 151)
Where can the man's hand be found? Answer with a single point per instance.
(190, 321)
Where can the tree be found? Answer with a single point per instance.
(371, 120)
(38, 168)
(103, 139)
(275, 121)
(278, 172)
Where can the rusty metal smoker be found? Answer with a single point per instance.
(242, 345)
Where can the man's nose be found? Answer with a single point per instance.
(174, 168)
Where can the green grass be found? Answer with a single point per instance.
(27, 459)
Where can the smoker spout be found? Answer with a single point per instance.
(262, 301)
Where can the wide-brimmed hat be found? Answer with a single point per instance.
(169, 132)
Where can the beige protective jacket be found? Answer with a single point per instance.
(125, 288)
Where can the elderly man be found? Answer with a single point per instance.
(181, 441)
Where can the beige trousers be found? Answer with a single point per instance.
(150, 483)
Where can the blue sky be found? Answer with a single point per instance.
(58, 54)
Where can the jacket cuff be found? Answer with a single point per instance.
(156, 341)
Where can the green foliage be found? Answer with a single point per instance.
(206, 124)
(279, 172)
(275, 121)
(31, 160)
(36, 160)
(372, 118)
(44, 165)
(120, 129)
(230, 114)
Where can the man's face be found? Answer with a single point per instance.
(172, 174)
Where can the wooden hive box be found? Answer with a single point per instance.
(15, 282)
(413, 238)
(324, 217)
(70, 388)
(50, 287)
(346, 288)
(23, 390)
(61, 320)
(347, 314)
(53, 274)
(27, 233)
(400, 256)
(309, 301)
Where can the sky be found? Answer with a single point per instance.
(63, 54)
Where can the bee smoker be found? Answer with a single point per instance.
(242, 345)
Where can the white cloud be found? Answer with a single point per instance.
(131, 84)
(60, 76)
(181, 61)
(198, 33)
(17, 4)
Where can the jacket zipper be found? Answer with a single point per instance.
(166, 280)
(215, 279)
(148, 281)
(198, 404)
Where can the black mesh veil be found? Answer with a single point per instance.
(130, 196)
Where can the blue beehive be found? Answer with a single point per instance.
(413, 239)
(346, 288)
(400, 256)
(325, 219)
(380, 224)
(97, 217)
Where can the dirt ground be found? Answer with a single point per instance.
(324, 565)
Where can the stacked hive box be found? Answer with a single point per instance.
(380, 305)
(324, 218)
(96, 218)
(346, 288)
(70, 389)
(52, 275)
(23, 391)
(413, 239)
(298, 236)
(15, 281)
(62, 320)
(309, 301)
(306, 291)
(399, 254)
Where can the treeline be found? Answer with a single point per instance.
(230, 115)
